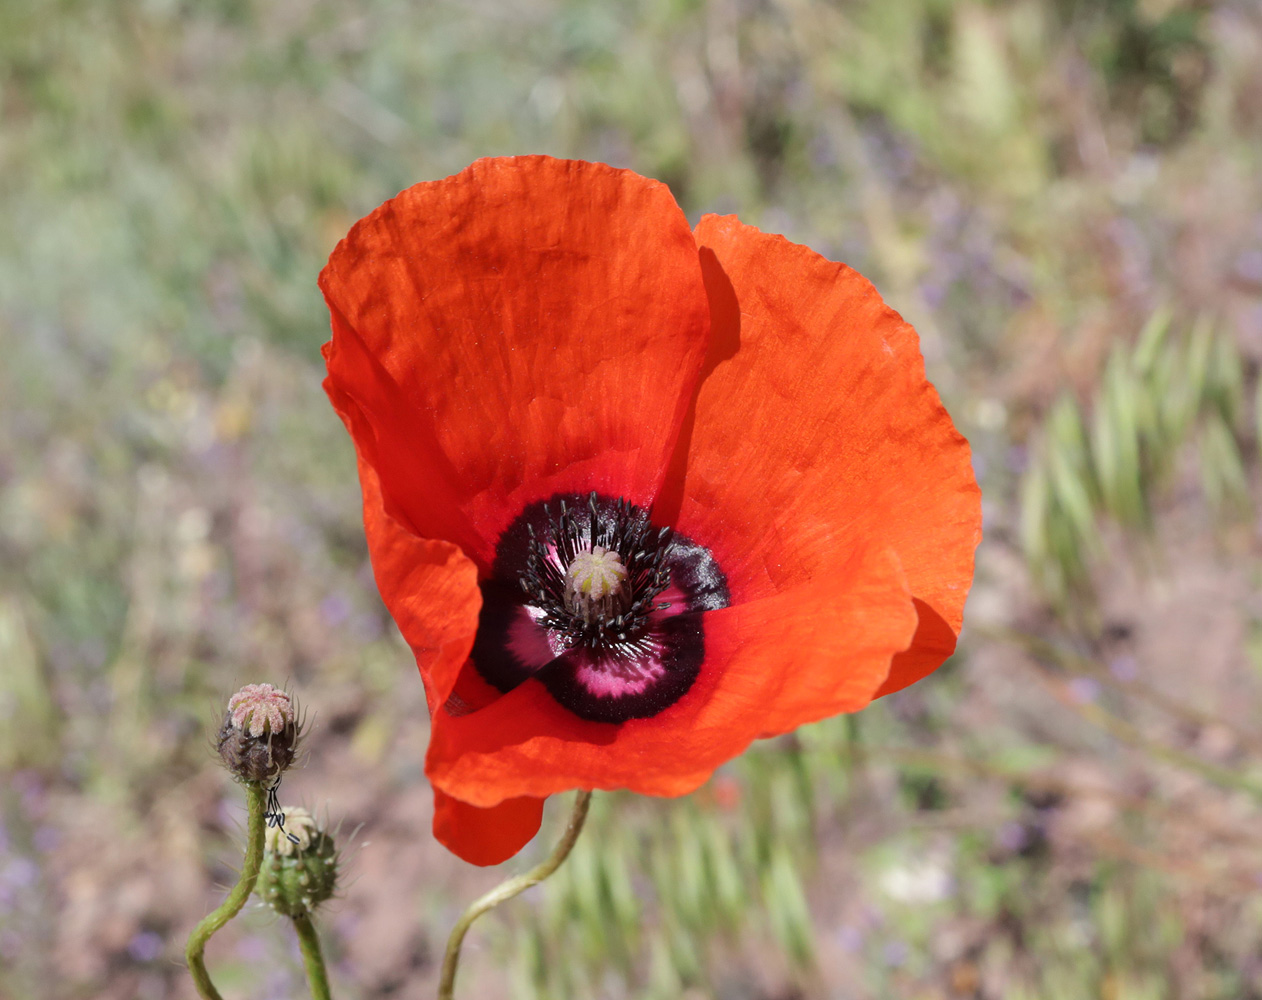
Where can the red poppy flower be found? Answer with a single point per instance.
(635, 494)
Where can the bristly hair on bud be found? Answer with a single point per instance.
(260, 733)
(300, 866)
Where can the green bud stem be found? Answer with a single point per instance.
(507, 890)
(312, 958)
(256, 799)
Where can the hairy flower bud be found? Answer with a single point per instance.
(300, 864)
(259, 733)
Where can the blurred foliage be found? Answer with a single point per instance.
(1153, 57)
(1063, 195)
(707, 869)
(1153, 401)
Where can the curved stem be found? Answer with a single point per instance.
(507, 890)
(312, 958)
(230, 907)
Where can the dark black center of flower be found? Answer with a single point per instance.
(597, 603)
(596, 583)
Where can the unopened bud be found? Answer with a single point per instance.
(259, 733)
(300, 864)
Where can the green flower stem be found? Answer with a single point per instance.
(312, 957)
(507, 890)
(195, 952)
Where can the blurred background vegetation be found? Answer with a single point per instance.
(1065, 196)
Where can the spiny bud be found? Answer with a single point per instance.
(259, 733)
(296, 877)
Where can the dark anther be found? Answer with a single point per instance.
(618, 620)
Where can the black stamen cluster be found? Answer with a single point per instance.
(623, 530)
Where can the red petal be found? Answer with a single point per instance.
(771, 664)
(815, 432)
(430, 587)
(485, 836)
(526, 327)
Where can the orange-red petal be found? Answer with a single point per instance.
(817, 649)
(485, 836)
(526, 327)
(429, 587)
(815, 431)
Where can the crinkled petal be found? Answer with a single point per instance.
(526, 327)
(429, 587)
(815, 431)
(771, 664)
(485, 836)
